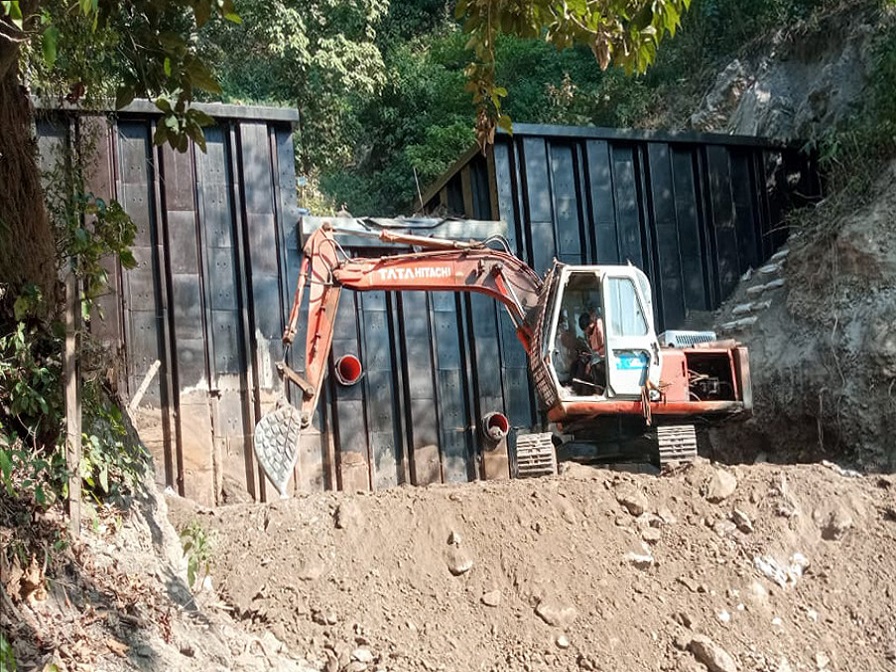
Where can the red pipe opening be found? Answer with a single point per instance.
(495, 426)
(348, 370)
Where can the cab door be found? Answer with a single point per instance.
(633, 351)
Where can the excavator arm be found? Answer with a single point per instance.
(434, 265)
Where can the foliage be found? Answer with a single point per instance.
(624, 32)
(32, 446)
(90, 233)
(101, 48)
(852, 157)
(30, 389)
(420, 121)
(198, 549)
(113, 465)
(7, 656)
(319, 56)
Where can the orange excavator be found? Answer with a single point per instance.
(631, 393)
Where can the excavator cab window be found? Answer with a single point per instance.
(627, 317)
(578, 352)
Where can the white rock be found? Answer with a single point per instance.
(492, 598)
(458, 561)
(362, 655)
(651, 535)
(721, 486)
(743, 522)
(780, 254)
(557, 614)
(634, 501)
(640, 560)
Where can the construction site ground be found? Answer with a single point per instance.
(744, 567)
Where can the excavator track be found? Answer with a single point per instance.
(535, 455)
(676, 443)
(276, 444)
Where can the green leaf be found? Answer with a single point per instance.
(127, 259)
(228, 11)
(196, 134)
(160, 137)
(201, 77)
(200, 117)
(49, 41)
(12, 9)
(166, 66)
(88, 7)
(6, 464)
(505, 123)
(124, 96)
(202, 11)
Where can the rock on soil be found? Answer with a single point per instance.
(712, 655)
(721, 486)
(634, 501)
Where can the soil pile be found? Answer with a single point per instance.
(758, 567)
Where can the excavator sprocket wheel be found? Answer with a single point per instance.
(535, 455)
(677, 443)
(277, 445)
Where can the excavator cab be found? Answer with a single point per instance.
(599, 341)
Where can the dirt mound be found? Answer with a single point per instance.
(756, 567)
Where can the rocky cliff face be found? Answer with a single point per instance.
(800, 83)
(823, 345)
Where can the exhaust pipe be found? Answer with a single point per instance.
(495, 426)
(348, 370)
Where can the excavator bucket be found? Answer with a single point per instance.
(276, 444)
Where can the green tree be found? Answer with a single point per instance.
(624, 32)
(94, 48)
(320, 56)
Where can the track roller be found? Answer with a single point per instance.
(535, 455)
(676, 443)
